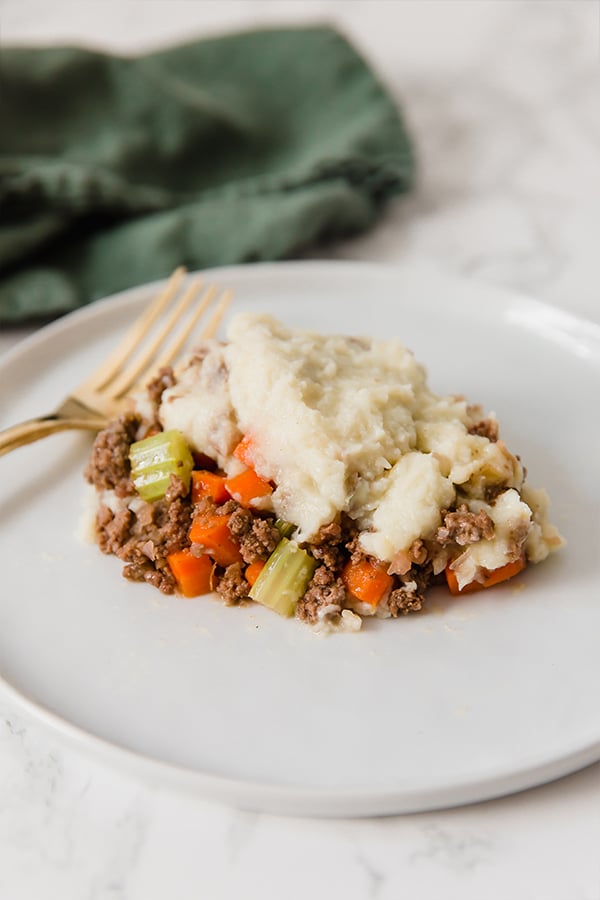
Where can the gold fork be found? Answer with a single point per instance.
(136, 360)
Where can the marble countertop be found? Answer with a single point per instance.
(502, 100)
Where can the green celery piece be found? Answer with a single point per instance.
(155, 459)
(284, 528)
(284, 578)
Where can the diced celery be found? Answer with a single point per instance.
(284, 528)
(155, 459)
(284, 578)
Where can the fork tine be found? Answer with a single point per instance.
(172, 351)
(103, 394)
(145, 359)
(175, 347)
(111, 366)
(218, 314)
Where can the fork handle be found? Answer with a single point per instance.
(35, 429)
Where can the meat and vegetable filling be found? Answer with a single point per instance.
(386, 489)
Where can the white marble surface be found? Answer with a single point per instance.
(502, 101)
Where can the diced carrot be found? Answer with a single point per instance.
(213, 534)
(207, 484)
(452, 582)
(193, 574)
(366, 581)
(505, 572)
(253, 571)
(490, 577)
(247, 487)
(244, 451)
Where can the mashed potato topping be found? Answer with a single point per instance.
(345, 424)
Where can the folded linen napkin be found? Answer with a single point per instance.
(252, 146)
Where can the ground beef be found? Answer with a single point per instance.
(327, 546)
(355, 550)
(113, 529)
(517, 538)
(108, 468)
(257, 536)
(232, 586)
(487, 428)
(422, 576)
(240, 519)
(324, 590)
(176, 489)
(405, 599)
(493, 491)
(144, 539)
(227, 508)
(165, 525)
(260, 541)
(165, 379)
(204, 508)
(418, 552)
(142, 569)
(179, 522)
(329, 534)
(464, 527)
(349, 528)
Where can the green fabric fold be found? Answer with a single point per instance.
(253, 146)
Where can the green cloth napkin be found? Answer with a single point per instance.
(114, 170)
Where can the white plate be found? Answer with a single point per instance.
(479, 696)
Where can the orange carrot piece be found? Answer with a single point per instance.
(490, 577)
(505, 572)
(193, 574)
(365, 581)
(207, 484)
(452, 582)
(244, 451)
(247, 487)
(253, 571)
(213, 534)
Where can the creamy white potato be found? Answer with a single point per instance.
(199, 405)
(414, 493)
(349, 424)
